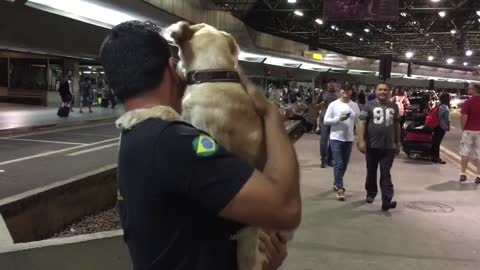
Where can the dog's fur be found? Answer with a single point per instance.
(223, 109)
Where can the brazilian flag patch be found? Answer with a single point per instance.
(204, 146)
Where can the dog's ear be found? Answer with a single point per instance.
(180, 31)
(232, 43)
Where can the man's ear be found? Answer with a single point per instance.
(180, 31)
(232, 43)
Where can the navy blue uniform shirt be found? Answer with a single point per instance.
(173, 181)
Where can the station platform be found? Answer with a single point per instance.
(19, 118)
(435, 226)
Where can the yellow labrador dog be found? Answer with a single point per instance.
(217, 103)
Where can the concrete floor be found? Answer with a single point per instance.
(436, 225)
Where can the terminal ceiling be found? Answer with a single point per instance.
(419, 29)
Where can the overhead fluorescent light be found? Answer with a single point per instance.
(83, 10)
(315, 67)
(349, 34)
(298, 13)
(292, 1)
(319, 21)
(283, 62)
(442, 14)
(251, 57)
(430, 58)
(409, 54)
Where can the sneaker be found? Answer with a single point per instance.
(370, 199)
(389, 205)
(477, 180)
(323, 165)
(341, 194)
(335, 188)
(463, 178)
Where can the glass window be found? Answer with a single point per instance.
(3, 72)
(28, 73)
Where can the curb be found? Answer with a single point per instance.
(18, 130)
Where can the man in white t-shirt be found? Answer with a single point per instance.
(342, 116)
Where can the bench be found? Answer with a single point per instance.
(26, 96)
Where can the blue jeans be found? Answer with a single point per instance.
(325, 148)
(341, 152)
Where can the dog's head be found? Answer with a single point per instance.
(203, 47)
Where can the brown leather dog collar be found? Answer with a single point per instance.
(204, 76)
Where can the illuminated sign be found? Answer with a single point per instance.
(313, 55)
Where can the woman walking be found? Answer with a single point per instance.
(439, 132)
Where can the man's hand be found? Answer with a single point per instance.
(397, 148)
(274, 246)
(362, 147)
(344, 117)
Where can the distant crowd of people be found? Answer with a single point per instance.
(104, 96)
(378, 118)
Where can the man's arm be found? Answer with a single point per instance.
(463, 120)
(270, 198)
(329, 118)
(361, 127)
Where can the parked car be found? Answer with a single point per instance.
(458, 102)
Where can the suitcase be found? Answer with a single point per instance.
(63, 111)
(418, 142)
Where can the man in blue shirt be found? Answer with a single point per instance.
(182, 197)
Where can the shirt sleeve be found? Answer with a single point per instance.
(330, 118)
(207, 175)
(365, 113)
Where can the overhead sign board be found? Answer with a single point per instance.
(367, 10)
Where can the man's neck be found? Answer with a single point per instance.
(382, 101)
(345, 100)
(149, 100)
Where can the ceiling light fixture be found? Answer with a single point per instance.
(478, 12)
(465, 63)
(333, 27)
(361, 39)
(298, 13)
(409, 54)
(389, 27)
(469, 53)
(430, 58)
(319, 21)
(442, 14)
(435, 1)
(349, 34)
(450, 60)
(292, 1)
(403, 14)
(366, 30)
(453, 31)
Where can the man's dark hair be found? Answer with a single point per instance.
(476, 87)
(347, 87)
(134, 57)
(445, 99)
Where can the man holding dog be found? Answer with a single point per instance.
(181, 195)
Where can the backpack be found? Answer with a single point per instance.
(400, 105)
(432, 119)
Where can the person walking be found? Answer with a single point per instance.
(470, 123)
(442, 128)
(85, 95)
(379, 140)
(324, 99)
(341, 116)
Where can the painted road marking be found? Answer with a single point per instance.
(456, 158)
(56, 130)
(42, 141)
(91, 150)
(87, 134)
(53, 152)
(2, 171)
